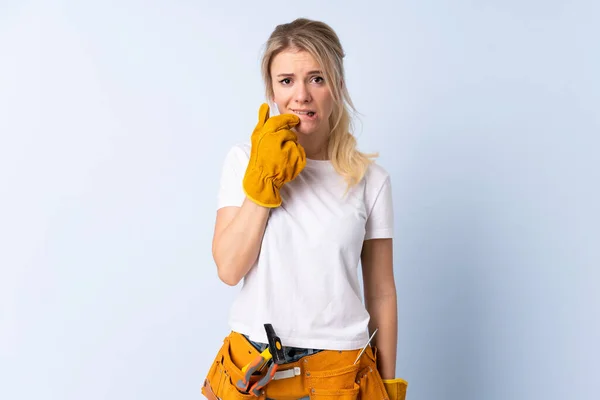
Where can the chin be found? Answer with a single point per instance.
(308, 128)
(305, 132)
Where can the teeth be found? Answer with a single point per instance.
(304, 112)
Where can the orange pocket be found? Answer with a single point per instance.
(223, 375)
(339, 378)
(337, 394)
(337, 383)
(369, 379)
(230, 392)
(214, 378)
(371, 384)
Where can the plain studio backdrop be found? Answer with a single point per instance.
(115, 117)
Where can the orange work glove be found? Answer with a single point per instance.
(395, 388)
(276, 157)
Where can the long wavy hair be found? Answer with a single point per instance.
(322, 43)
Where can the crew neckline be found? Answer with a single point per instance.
(310, 162)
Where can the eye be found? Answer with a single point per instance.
(318, 79)
(285, 81)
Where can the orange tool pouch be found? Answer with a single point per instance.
(328, 374)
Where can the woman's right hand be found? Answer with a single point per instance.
(276, 158)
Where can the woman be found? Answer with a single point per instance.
(298, 209)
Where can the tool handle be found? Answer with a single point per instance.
(258, 386)
(266, 355)
(248, 370)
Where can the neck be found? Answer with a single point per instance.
(317, 153)
(315, 150)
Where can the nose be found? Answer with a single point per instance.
(302, 94)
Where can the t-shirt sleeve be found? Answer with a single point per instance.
(380, 222)
(231, 191)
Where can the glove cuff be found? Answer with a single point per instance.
(260, 189)
(395, 388)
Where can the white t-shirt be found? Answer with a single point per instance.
(305, 281)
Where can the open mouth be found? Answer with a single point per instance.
(308, 113)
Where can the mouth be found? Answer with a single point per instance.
(308, 113)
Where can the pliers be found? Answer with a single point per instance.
(272, 356)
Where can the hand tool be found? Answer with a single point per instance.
(272, 356)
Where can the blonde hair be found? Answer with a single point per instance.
(322, 43)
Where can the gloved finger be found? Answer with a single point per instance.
(283, 136)
(263, 115)
(290, 144)
(283, 121)
(301, 154)
(296, 159)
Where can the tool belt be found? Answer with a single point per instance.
(328, 374)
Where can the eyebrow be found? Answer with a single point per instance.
(314, 72)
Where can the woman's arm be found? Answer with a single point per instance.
(237, 239)
(380, 300)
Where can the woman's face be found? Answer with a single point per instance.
(300, 88)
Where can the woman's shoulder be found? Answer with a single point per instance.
(238, 152)
(241, 148)
(376, 174)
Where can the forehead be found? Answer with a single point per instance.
(293, 61)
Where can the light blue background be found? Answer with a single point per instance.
(115, 117)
